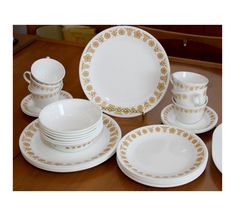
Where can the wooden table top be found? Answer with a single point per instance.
(106, 176)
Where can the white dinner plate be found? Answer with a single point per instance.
(162, 156)
(125, 70)
(28, 107)
(44, 157)
(217, 147)
(208, 121)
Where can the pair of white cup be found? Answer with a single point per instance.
(45, 81)
(189, 96)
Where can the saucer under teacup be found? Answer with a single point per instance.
(208, 121)
(28, 107)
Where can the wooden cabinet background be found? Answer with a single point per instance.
(176, 47)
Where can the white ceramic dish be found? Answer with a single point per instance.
(125, 70)
(188, 81)
(40, 90)
(71, 137)
(189, 115)
(42, 156)
(75, 135)
(208, 121)
(190, 98)
(164, 155)
(70, 116)
(154, 183)
(217, 147)
(47, 71)
(65, 148)
(78, 141)
(42, 100)
(28, 106)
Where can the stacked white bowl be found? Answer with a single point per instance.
(70, 125)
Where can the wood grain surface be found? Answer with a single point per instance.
(106, 176)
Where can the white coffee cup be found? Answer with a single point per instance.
(190, 98)
(46, 71)
(39, 88)
(188, 81)
(188, 115)
(42, 100)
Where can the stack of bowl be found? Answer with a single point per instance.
(45, 81)
(189, 96)
(70, 125)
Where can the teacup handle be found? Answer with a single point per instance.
(172, 79)
(25, 76)
(198, 99)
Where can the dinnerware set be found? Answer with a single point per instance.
(124, 72)
(45, 81)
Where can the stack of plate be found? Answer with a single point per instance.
(70, 125)
(162, 156)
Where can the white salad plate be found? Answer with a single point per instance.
(217, 147)
(162, 156)
(208, 121)
(44, 157)
(125, 70)
(28, 107)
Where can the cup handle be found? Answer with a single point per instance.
(198, 99)
(25, 76)
(172, 79)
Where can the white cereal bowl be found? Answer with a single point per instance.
(70, 116)
(71, 135)
(189, 115)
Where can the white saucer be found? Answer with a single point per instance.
(44, 157)
(209, 120)
(28, 107)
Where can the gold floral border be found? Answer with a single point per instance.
(50, 89)
(188, 87)
(180, 109)
(130, 32)
(32, 128)
(198, 145)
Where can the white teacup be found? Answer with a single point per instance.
(190, 98)
(188, 115)
(46, 71)
(188, 81)
(39, 88)
(42, 100)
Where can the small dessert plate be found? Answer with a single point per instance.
(28, 107)
(208, 121)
